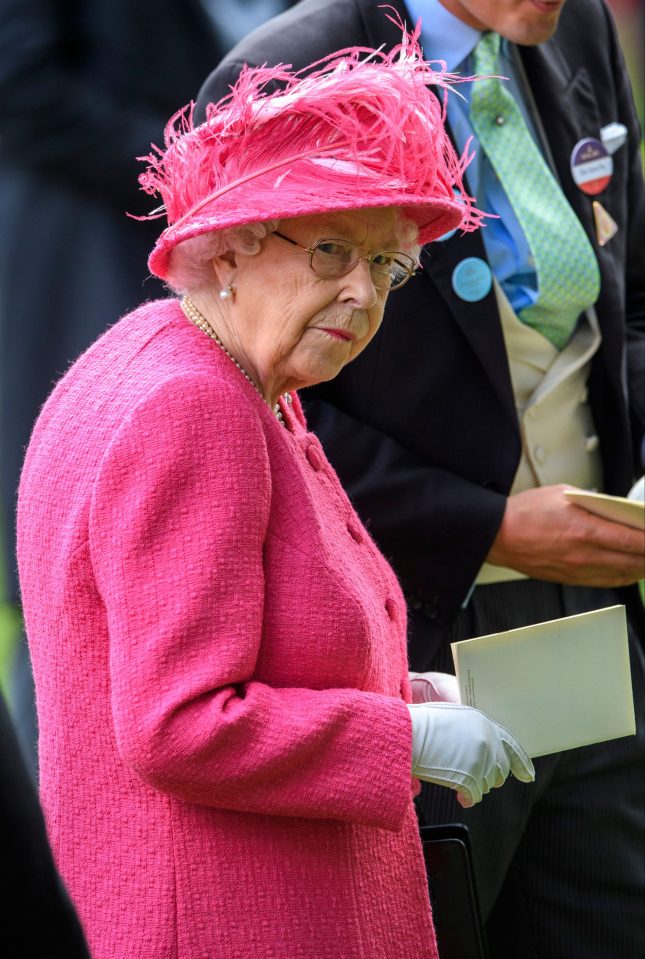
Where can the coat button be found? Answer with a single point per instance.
(355, 531)
(540, 454)
(313, 457)
(591, 443)
(390, 608)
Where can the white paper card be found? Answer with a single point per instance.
(555, 685)
(616, 508)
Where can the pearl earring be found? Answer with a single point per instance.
(227, 293)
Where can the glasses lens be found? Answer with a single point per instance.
(332, 258)
(391, 269)
(403, 269)
(382, 267)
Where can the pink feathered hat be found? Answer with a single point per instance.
(359, 129)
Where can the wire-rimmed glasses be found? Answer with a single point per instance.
(332, 257)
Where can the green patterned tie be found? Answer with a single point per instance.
(567, 271)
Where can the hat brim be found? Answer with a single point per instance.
(433, 216)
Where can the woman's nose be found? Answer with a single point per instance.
(359, 285)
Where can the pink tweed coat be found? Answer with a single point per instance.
(220, 664)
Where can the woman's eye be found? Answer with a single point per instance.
(384, 260)
(333, 248)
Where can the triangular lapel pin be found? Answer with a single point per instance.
(606, 226)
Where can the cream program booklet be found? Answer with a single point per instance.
(555, 685)
(617, 508)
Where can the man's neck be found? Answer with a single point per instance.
(458, 10)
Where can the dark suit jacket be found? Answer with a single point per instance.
(422, 426)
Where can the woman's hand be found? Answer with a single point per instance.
(434, 688)
(465, 750)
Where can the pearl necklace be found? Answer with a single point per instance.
(199, 320)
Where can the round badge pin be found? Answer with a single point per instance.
(591, 166)
(472, 279)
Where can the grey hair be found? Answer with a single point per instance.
(190, 269)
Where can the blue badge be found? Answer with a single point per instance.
(472, 279)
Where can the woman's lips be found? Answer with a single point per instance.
(337, 333)
(548, 6)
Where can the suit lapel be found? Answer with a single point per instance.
(479, 321)
(571, 115)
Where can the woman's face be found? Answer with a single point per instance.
(287, 326)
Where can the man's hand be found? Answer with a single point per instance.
(546, 536)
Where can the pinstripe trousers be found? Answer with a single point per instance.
(560, 864)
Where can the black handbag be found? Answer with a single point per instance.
(455, 906)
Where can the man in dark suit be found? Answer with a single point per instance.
(456, 429)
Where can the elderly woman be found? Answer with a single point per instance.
(219, 648)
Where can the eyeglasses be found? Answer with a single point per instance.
(332, 258)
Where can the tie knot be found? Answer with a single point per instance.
(486, 54)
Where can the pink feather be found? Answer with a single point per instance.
(359, 128)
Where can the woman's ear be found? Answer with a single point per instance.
(225, 269)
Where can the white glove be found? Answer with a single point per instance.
(464, 749)
(434, 688)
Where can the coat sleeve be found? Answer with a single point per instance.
(177, 527)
